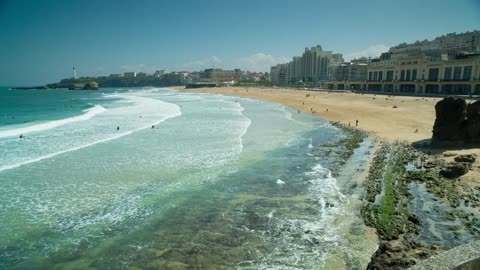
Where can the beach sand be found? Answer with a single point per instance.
(375, 113)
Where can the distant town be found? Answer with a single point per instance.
(449, 64)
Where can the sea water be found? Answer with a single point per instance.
(160, 179)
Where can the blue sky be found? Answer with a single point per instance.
(41, 40)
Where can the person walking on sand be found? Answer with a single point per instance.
(356, 123)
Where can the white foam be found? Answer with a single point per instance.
(246, 126)
(289, 116)
(171, 110)
(310, 239)
(89, 113)
(280, 182)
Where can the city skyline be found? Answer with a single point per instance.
(114, 37)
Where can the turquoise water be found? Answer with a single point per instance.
(188, 181)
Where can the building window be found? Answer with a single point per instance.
(375, 75)
(433, 74)
(448, 74)
(467, 73)
(408, 75)
(380, 75)
(402, 75)
(370, 76)
(390, 75)
(457, 72)
(414, 75)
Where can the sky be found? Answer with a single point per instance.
(40, 41)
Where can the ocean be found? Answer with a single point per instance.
(159, 179)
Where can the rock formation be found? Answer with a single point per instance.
(456, 122)
(90, 86)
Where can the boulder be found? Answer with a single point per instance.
(456, 122)
(468, 158)
(90, 86)
(450, 116)
(455, 170)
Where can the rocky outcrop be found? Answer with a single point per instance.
(455, 170)
(469, 158)
(90, 86)
(456, 122)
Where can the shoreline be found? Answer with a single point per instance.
(394, 130)
(397, 118)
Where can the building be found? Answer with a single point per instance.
(253, 76)
(130, 74)
(351, 71)
(449, 64)
(220, 75)
(453, 42)
(159, 73)
(424, 74)
(279, 73)
(315, 65)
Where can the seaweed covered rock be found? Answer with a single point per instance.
(455, 170)
(469, 158)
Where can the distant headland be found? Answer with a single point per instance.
(94, 83)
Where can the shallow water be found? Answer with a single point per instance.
(217, 181)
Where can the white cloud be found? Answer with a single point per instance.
(134, 68)
(259, 62)
(372, 51)
(210, 62)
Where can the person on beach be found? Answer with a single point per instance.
(356, 123)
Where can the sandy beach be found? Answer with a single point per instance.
(392, 118)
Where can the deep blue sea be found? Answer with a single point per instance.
(160, 179)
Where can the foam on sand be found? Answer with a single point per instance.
(88, 114)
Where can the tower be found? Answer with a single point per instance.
(74, 73)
